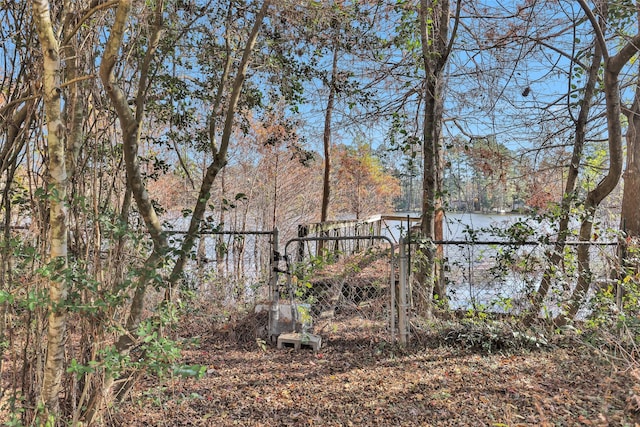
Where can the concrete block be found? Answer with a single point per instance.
(299, 340)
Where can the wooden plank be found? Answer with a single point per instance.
(400, 218)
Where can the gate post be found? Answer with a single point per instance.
(274, 308)
(403, 323)
(393, 303)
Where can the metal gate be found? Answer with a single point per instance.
(333, 290)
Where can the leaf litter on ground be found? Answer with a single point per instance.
(359, 379)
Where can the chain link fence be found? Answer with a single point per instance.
(357, 283)
(231, 267)
(499, 276)
(338, 291)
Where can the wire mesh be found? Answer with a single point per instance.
(499, 276)
(337, 290)
(231, 267)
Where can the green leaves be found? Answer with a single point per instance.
(79, 369)
(228, 204)
(6, 298)
(189, 371)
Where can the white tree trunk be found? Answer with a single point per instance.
(54, 364)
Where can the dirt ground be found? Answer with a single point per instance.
(358, 379)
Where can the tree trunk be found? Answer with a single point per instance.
(630, 218)
(129, 124)
(219, 154)
(569, 194)
(436, 46)
(326, 139)
(74, 102)
(612, 67)
(54, 364)
(432, 214)
(630, 213)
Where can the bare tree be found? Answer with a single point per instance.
(613, 64)
(630, 213)
(437, 42)
(570, 194)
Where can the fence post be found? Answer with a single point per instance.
(403, 324)
(274, 309)
(392, 308)
(303, 231)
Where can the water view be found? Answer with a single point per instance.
(488, 274)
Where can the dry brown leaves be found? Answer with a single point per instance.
(359, 380)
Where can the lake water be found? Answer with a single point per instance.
(471, 273)
(457, 223)
(480, 275)
(496, 277)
